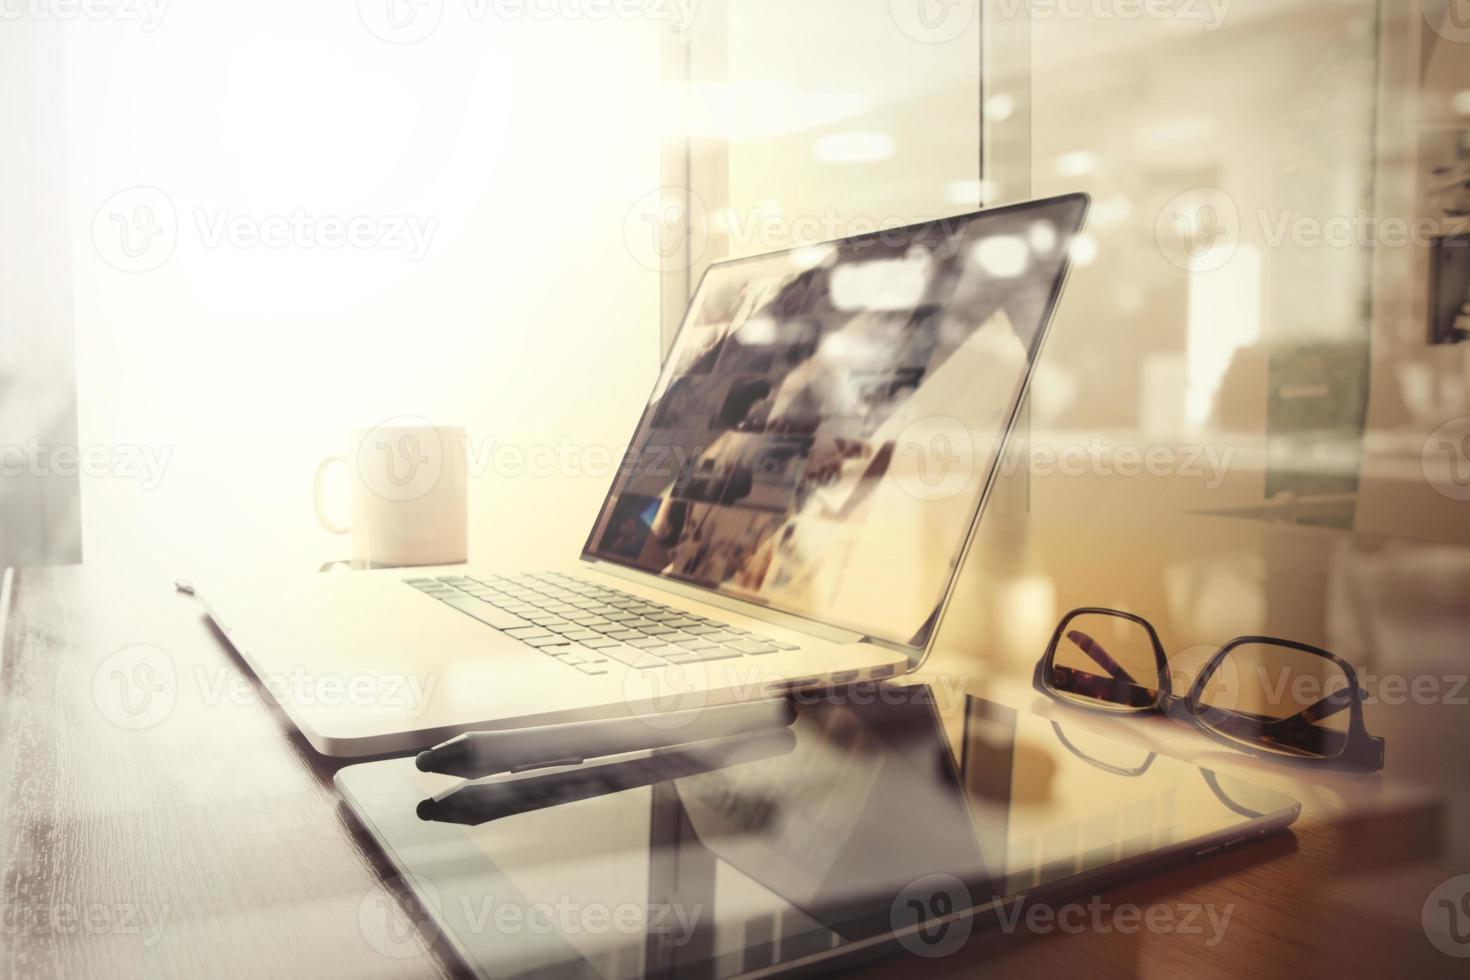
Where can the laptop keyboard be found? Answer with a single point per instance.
(589, 626)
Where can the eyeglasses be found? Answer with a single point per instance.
(1268, 697)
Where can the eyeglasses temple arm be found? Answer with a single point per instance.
(1104, 659)
(1308, 716)
(1337, 701)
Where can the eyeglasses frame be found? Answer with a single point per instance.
(1362, 752)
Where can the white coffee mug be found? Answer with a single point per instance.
(410, 489)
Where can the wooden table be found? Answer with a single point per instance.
(212, 843)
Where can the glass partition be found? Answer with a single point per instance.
(1212, 350)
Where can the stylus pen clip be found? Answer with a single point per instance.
(477, 754)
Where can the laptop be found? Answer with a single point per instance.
(792, 510)
(904, 822)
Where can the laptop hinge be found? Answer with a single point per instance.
(754, 610)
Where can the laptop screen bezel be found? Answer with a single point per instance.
(917, 648)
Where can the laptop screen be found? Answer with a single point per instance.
(825, 426)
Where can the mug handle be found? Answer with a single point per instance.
(316, 493)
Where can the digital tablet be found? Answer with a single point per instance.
(884, 820)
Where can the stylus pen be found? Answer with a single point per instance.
(476, 803)
(477, 754)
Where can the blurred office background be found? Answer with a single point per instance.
(569, 170)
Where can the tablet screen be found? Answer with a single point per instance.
(884, 824)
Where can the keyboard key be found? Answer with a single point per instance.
(663, 631)
(637, 659)
(528, 633)
(783, 645)
(547, 641)
(600, 643)
(610, 628)
(701, 656)
(627, 635)
(581, 636)
(751, 646)
(593, 669)
(700, 630)
(666, 651)
(645, 642)
(484, 612)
